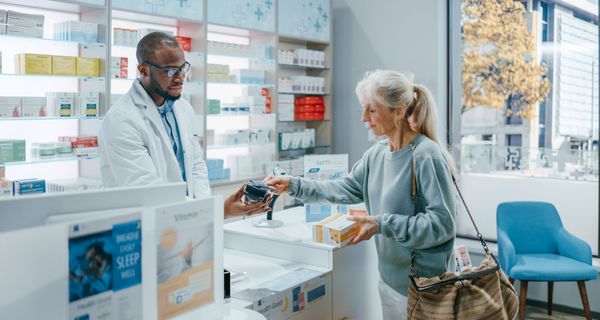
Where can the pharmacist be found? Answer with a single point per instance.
(147, 136)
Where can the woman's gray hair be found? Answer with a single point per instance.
(392, 89)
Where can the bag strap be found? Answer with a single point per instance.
(413, 193)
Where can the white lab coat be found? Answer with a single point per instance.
(135, 149)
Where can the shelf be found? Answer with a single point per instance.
(39, 161)
(220, 116)
(58, 5)
(301, 67)
(237, 146)
(29, 39)
(226, 55)
(291, 121)
(151, 18)
(304, 93)
(311, 148)
(48, 76)
(50, 118)
(270, 85)
(304, 41)
(237, 31)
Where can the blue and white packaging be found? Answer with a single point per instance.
(29, 186)
(322, 168)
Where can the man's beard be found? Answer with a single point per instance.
(155, 87)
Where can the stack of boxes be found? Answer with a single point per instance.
(185, 43)
(71, 185)
(12, 151)
(216, 171)
(82, 146)
(286, 107)
(21, 24)
(302, 57)
(309, 108)
(257, 51)
(78, 31)
(218, 73)
(214, 106)
(125, 37)
(248, 76)
(298, 139)
(119, 67)
(43, 64)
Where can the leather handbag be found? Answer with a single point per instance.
(482, 293)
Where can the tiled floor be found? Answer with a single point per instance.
(534, 313)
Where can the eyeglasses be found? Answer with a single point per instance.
(171, 71)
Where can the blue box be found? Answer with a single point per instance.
(214, 164)
(29, 186)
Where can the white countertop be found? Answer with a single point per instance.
(258, 269)
(294, 229)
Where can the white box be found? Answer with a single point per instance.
(29, 25)
(6, 188)
(3, 17)
(297, 138)
(89, 104)
(286, 112)
(61, 104)
(33, 107)
(10, 107)
(335, 230)
(285, 140)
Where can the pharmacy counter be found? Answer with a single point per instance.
(353, 269)
(277, 288)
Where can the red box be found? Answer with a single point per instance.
(309, 100)
(184, 42)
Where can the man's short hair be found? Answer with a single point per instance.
(152, 42)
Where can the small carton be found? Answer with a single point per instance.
(88, 67)
(64, 66)
(29, 186)
(89, 104)
(6, 188)
(33, 107)
(61, 104)
(336, 230)
(27, 63)
(3, 17)
(10, 107)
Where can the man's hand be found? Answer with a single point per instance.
(234, 206)
(368, 228)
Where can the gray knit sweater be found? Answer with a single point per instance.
(382, 180)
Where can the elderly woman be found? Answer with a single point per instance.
(411, 158)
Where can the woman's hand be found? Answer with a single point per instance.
(368, 228)
(280, 183)
(234, 206)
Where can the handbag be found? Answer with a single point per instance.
(482, 293)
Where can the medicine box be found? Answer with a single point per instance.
(29, 186)
(61, 104)
(89, 103)
(184, 42)
(64, 66)
(12, 151)
(28, 63)
(119, 67)
(33, 107)
(335, 230)
(286, 140)
(6, 188)
(10, 107)
(88, 67)
(26, 25)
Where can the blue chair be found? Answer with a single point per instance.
(533, 245)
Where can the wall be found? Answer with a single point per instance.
(407, 36)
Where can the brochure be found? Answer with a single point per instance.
(105, 268)
(322, 168)
(462, 260)
(185, 259)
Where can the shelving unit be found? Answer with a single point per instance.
(259, 27)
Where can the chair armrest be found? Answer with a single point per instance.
(506, 252)
(570, 246)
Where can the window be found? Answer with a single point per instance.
(524, 108)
